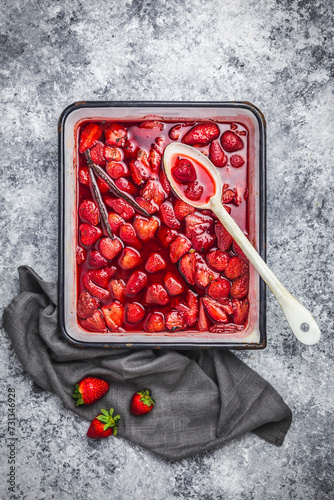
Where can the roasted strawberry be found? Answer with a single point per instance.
(201, 134)
(226, 305)
(179, 247)
(187, 267)
(96, 259)
(153, 191)
(97, 154)
(155, 322)
(145, 228)
(175, 321)
(154, 159)
(110, 248)
(209, 212)
(237, 250)
(198, 223)
(168, 215)
(141, 403)
(134, 312)
(219, 289)
(87, 305)
(166, 235)
(117, 288)
(115, 135)
(182, 209)
(89, 390)
(155, 263)
(128, 234)
(235, 268)
(215, 311)
(103, 425)
(83, 176)
(112, 153)
(228, 196)
(217, 155)
(237, 161)
(140, 168)
(149, 206)
(203, 323)
(129, 259)
(164, 182)
(159, 144)
(156, 294)
(194, 191)
(115, 221)
(89, 136)
(122, 207)
(218, 260)
(203, 242)
(226, 328)
(189, 311)
(239, 288)
(89, 234)
(130, 150)
(152, 124)
(114, 316)
(94, 289)
(240, 311)
(203, 274)
(192, 314)
(127, 186)
(151, 196)
(102, 185)
(89, 212)
(173, 284)
(184, 171)
(102, 276)
(231, 141)
(95, 323)
(116, 169)
(137, 282)
(80, 255)
(175, 132)
(224, 238)
(237, 199)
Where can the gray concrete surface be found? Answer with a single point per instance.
(275, 54)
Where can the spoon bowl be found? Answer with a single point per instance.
(177, 148)
(299, 318)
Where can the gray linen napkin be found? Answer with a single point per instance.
(203, 398)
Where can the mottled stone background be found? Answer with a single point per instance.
(277, 54)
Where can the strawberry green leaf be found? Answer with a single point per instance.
(77, 395)
(108, 419)
(146, 398)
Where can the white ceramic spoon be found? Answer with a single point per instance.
(299, 318)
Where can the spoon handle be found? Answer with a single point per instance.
(299, 318)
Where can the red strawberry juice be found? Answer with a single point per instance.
(166, 231)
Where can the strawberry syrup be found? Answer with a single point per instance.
(144, 138)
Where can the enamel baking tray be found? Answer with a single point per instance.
(254, 334)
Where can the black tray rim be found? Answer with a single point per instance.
(262, 224)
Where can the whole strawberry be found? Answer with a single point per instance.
(89, 390)
(103, 425)
(141, 403)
